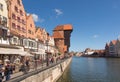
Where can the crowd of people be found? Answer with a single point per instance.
(8, 68)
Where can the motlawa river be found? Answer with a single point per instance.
(88, 69)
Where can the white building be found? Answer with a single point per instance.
(3, 22)
(112, 48)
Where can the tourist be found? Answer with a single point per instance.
(27, 65)
(1, 71)
(22, 68)
(8, 70)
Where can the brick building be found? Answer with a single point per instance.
(61, 36)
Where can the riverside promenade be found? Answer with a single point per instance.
(18, 77)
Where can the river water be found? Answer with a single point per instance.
(87, 69)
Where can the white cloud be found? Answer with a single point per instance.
(95, 36)
(36, 18)
(58, 11)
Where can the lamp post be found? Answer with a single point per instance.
(47, 59)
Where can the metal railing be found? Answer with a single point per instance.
(35, 71)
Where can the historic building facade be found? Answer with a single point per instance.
(31, 38)
(61, 36)
(17, 21)
(118, 47)
(112, 48)
(4, 22)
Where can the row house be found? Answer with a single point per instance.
(118, 47)
(3, 22)
(51, 45)
(19, 33)
(41, 35)
(17, 21)
(31, 38)
(113, 48)
(12, 29)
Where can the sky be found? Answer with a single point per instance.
(94, 22)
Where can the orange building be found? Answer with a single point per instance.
(61, 36)
(38, 34)
(30, 27)
(17, 20)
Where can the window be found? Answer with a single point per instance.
(16, 9)
(13, 25)
(18, 18)
(4, 34)
(29, 31)
(21, 13)
(24, 30)
(18, 1)
(18, 27)
(15, 40)
(22, 21)
(1, 7)
(13, 16)
(4, 21)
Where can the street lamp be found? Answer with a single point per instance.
(47, 59)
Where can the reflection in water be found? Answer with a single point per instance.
(83, 69)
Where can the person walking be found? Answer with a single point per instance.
(8, 71)
(27, 65)
(23, 68)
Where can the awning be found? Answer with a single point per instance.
(39, 52)
(9, 51)
(25, 54)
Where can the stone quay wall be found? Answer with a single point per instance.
(49, 74)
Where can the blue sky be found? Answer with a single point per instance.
(95, 22)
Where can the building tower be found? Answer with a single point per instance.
(62, 34)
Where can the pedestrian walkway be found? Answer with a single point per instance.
(21, 73)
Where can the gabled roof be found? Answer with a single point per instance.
(63, 27)
(114, 42)
(59, 27)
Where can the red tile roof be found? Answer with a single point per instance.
(63, 27)
(67, 27)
